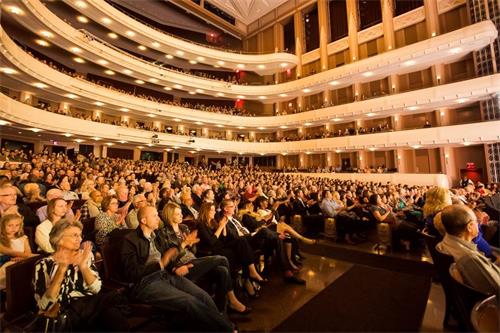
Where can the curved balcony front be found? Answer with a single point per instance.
(441, 49)
(31, 70)
(484, 132)
(143, 34)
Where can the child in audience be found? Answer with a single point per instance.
(14, 244)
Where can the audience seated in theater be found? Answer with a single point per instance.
(215, 268)
(68, 279)
(54, 193)
(92, 207)
(149, 263)
(476, 270)
(9, 205)
(57, 209)
(108, 220)
(14, 244)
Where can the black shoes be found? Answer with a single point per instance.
(294, 279)
(243, 313)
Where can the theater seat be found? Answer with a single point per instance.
(485, 317)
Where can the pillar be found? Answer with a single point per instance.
(324, 37)
(279, 45)
(432, 24)
(353, 26)
(104, 151)
(137, 154)
(389, 38)
(26, 97)
(63, 107)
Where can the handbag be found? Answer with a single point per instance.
(50, 321)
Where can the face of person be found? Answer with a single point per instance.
(12, 227)
(210, 195)
(71, 239)
(177, 216)
(473, 226)
(65, 184)
(8, 196)
(211, 213)
(60, 208)
(140, 201)
(113, 206)
(151, 219)
(97, 197)
(229, 209)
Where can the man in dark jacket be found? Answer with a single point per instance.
(150, 265)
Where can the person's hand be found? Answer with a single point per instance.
(82, 260)
(78, 215)
(192, 238)
(63, 259)
(182, 270)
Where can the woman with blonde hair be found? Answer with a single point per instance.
(32, 193)
(435, 200)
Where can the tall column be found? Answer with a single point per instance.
(324, 37)
(299, 48)
(104, 151)
(63, 107)
(260, 41)
(279, 45)
(353, 27)
(432, 24)
(389, 38)
(362, 157)
(26, 97)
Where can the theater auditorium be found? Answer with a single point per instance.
(249, 165)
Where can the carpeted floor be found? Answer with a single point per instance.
(364, 299)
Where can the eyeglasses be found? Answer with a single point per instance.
(8, 195)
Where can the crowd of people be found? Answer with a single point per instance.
(179, 223)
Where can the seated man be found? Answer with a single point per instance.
(477, 271)
(147, 262)
(92, 207)
(138, 202)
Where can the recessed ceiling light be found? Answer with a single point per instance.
(283, 95)
(371, 114)
(412, 108)
(75, 49)
(179, 52)
(219, 125)
(416, 146)
(46, 34)
(72, 96)
(153, 80)
(220, 62)
(283, 127)
(140, 147)
(15, 10)
(169, 56)
(262, 128)
(178, 86)
(284, 154)
(151, 115)
(82, 19)
(307, 90)
(128, 72)
(240, 66)
(81, 4)
(307, 124)
(106, 20)
(198, 123)
(201, 91)
(338, 151)
(261, 66)
(372, 149)
(102, 62)
(3, 122)
(262, 97)
(200, 58)
(99, 103)
(142, 47)
(367, 74)
(139, 82)
(167, 88)
(96, 138)
(79, 140)
(177, 120)
(241, 96)
(462, 100)
(149, 145)
(283, 64)
(130, 33)
(220, 94)
(7, 70)
(122, 141)
(110, 143)
(156, 44)
(109, 72)
(36, 130)
(409, 63)
(112, 35)
(193, 62)
(337, 119)
(466, 143)
(192, 93)
(79, 60)
(124, 110)
(220, 151)
(456, 50)
(40, 85)
(42, 42)
(334, 83)
(68, 135)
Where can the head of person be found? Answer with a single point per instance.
(32, 191)
(64, 184)
(186, 198)
(56, 209)
(109, 204)
(96, 196)
(11, 227)
(435, 200)
(140, 201)
(53, 194)
(122, 193)
(207, 213)
(66, 235)
(374, 199)
(208, 195)
(8, 195)
(261, 202)
(460, 221)
(148, 218)
(172, 213)
(228, 207)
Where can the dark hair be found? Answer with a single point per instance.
(455, 218)
(373, 200)
(106, 201)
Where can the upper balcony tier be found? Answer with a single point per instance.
(128, 27)
(38, 120)
(446, 48)
(40, 76)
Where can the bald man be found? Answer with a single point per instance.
(477, 271)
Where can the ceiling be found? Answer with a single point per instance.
(247, 11)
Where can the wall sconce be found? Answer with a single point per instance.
(395, 118)
(361, 158)
(393, 88)
(438, 78)
(441, 113)
(399, 158)
(433, 34)
(390, 47)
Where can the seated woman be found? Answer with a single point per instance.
(108, 220)
(32, 193)
(402, 231)
(68, 280)
(215, 239)
(56, 211)
(14, 244)
(215, 268)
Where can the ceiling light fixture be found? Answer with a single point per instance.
(156, 44)
(124, 110)
(68, 135)
(240, 65)
(142, 47)
(82, 19)
(169, 56)
(42, 42)
(220, 94)
(167, 88)
(99, 103)
(462, 100)
(200, 58)
(106, 20)
(283, 95)
(75, 49)
(109, 72)
(81, 4)
(15, 10)
(261, 66)
(283, 65)
(7, 70)
(193, 62)
(412, 108)
(220, 62)
(178, 86)
(201, 91)
(409, 63)
(72, 96)
(102, 62)
(153, 80)
(128, 72)
(130, 33)
(40, 85)
(112, 35)
(306, 90)
(46, 34)
(79, 60)
(367, 74)
(371, 114)
(179, 52)
(334, 83)
(36, 130)
(139, 81)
